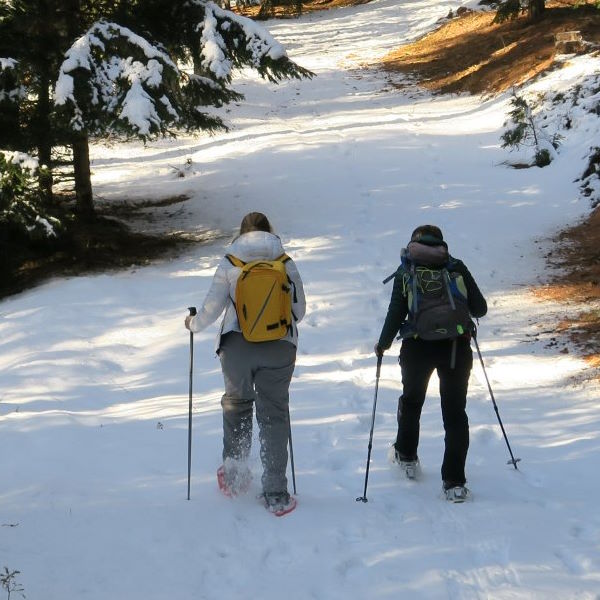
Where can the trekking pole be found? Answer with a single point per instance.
(192, 310)
(513, 461)
(291, 451)
(363, 498)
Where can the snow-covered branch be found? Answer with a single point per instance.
(24, 161)
(10, 88)
(229, 40)
(114, 81)
(113, 78)
(21, 211)
(252, 44)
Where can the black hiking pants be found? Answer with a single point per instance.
(418, 360)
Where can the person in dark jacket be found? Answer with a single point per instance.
(451, 358)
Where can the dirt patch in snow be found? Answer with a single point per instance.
(576, 260)
(106, 243)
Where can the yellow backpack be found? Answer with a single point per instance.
(263, 300)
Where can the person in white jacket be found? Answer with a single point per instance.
(253, 372)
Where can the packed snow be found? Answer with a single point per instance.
(93, 408)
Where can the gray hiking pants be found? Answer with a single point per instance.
(261, 373)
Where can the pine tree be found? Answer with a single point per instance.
(12, 93)
(32, 34)
(117, 68)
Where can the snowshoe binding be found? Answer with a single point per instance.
(279, 503)
(457, 493)
(233, 478)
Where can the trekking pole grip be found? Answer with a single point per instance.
(193, 311)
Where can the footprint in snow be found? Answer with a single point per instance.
(345, 364)
(573, 562)
(362, 422)
(484, 435)
(590, 532)
(494, 561)
(349, 566)
(356, 400)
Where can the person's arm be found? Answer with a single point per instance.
(396, 314)
(215, 301)
(298, 297)
(475, 299)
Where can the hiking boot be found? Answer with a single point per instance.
(279, 503)
(456, 493)
(409, 466)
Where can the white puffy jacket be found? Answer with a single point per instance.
(250, 246)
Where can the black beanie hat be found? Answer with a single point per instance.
(430, 235)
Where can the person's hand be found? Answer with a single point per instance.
(378, 350)
(187, 321)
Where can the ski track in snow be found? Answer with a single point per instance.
(93, 411)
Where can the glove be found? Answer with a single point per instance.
(188, 320)
(378, 350)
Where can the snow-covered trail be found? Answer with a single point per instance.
(93, 412)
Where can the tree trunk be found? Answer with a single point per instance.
(83, 180)
(44, 141)
(46, 179)
(84, 199)
(197, 64)
(536, 9)
(43, 131)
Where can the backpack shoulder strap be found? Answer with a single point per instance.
(413, 274)
(283, 258)
(235, 261)
(446, 277)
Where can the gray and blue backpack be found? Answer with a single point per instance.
(437, 300)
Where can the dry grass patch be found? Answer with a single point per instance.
(471, 53)
(576, 259)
